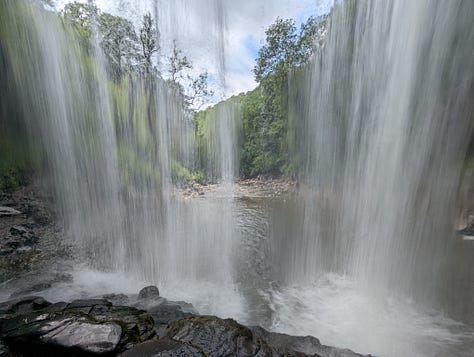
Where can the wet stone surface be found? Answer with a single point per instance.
(32, 326)
(30, 239)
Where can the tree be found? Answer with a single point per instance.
(119, 43)
(177, 64)
(80, 16)
(194, 90)
(265, 147)
(148, 41)
(198, 92)
(286, 48)
(279, 49)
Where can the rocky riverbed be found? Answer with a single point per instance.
(138, 325)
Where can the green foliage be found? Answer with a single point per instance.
(134, 169)
(125, 51)
(183, 176)
(80, 17)
(265, 110)
(264, 146)
(148, 42)
(119, 43)
(286, 48)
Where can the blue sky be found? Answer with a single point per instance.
(226, 48)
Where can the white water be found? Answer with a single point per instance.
(383, 118)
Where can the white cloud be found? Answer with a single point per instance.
(220, 36)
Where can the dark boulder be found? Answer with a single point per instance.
(117, 299)
(18, 230)
(35, 327)
(169, 311)
(149, 292)
(307, 345)
(218, 337)
(22, 305)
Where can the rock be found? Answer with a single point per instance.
(116, 299)
(8, 211)
(149, 292)
(86, 305)
(138, 325)
(60, 334)
(18, 230)
(168, 312)
(41, 216)
(467, 231)
(307, 345)
(22, 305)
(34, 327)
(80, 303)
(83, 335)
(163, 348)
(19, 240)
(218, 337)
(56, 307)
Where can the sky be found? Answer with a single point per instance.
(221, 37)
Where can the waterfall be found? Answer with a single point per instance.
(364, 255)
(382, 119)
(111, 150)
(221, 130)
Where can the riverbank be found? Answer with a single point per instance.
(256, 187)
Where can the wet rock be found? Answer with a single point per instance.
(56, 307)
(61, 334)
(41, 216)
(18, 230)
(163, 348)
(218, 337)
(34, 327)
(307, 345)
(95, 338)
(137, 324)
(116, 299)
(169, 311)
(22, 305)
(75, 304)
(8, 211)
(86, 305)
(467, 231)
(149, 292)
